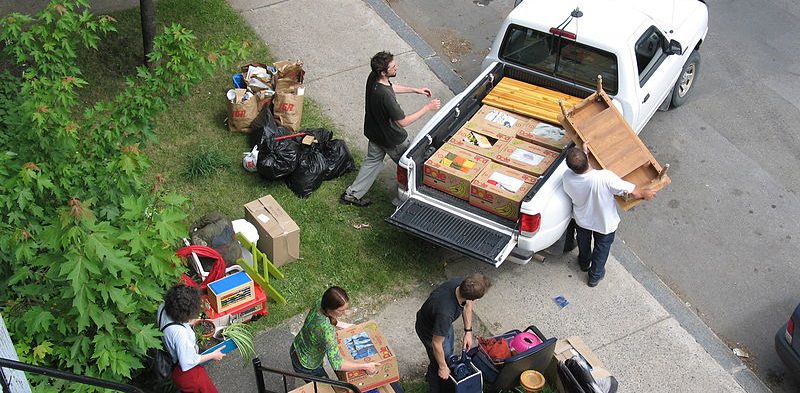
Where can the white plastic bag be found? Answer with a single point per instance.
(250, 159)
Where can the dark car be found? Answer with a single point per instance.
(787, 344)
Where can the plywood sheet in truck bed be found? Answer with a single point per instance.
(529, 100)
(613, 144)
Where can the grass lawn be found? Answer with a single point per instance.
(366, 262)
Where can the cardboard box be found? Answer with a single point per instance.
(574, 345)
(321, 388)
(366, 343)
(499, 189)
(485, 144)
(451, 169)
(526, 157)
(544, 134)
(278, 234)
(325, 388)
(496, 120)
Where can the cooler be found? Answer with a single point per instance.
(504, 374)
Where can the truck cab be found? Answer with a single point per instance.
(646, 52)
(640, 47)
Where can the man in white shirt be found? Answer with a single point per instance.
(592, 192)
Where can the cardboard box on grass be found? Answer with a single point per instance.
(486, 144)
(544, 134)
(499, 189)
(526, 157)
(496, 120)
(278, 234)
(451, 169)
(572, 346)
(365, 343)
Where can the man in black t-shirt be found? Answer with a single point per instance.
(383, 124)
(435, 319)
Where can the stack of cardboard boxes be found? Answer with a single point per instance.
(495, 159)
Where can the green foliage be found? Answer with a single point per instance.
(205, 162)
(243, 338)
(86, 240)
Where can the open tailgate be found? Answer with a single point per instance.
(613, 144)
(453, 231)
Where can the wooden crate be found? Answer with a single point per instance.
(529, 100)
(613, 144)
(231, 291)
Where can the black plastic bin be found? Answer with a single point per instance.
(505, 375)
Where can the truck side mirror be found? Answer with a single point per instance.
(674, 48)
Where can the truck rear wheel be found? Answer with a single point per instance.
(689, 74)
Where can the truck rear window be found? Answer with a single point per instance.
(560, 57)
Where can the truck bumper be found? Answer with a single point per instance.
(520, 256)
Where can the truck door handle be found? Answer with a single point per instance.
(647, 97)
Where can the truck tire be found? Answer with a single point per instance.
(689, 74)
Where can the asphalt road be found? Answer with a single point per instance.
(725, 234)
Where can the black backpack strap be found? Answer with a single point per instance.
(167, 325)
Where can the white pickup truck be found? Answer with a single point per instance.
(647, 54)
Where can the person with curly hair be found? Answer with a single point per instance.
(176, 316)
(317, 337)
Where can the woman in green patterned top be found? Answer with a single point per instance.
(317, 338)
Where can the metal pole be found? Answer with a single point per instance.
(51, 372)
(259, 376)
(6, 388)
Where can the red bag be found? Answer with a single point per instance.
(497, 349)
(217, 270)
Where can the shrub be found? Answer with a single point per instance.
(86, 240)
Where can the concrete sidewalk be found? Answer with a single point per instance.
(633, 323)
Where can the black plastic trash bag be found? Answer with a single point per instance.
(277, 158)
(320, 134)
(338, 159)
(309, 174)
(264, 127)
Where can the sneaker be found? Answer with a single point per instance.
(584, 268)
(593, 282)
(346, 199)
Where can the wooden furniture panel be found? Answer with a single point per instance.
(529, 100)
(613, 144)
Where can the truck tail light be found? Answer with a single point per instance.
(563, 33)
(789, 331)
(402, 178)
(529, 224)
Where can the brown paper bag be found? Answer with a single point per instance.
(264, 98)
(242, 113)
(289, 69)
(288, 108)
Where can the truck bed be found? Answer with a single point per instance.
(478, 235)
(464, 111)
